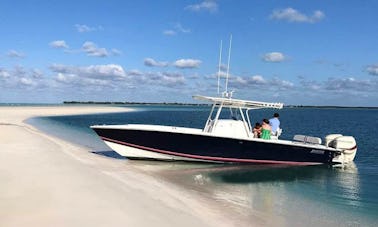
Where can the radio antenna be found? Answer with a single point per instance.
(220, 62)
(228, 66)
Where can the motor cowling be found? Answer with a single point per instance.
(329, 139)
(347, 144)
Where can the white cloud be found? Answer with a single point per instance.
(260, 83)
(19, 71)
(105, 70)
(91, 49)
(180, 28)
(65, 78)
(112, 71)
(4, 73)
(85, 28)
(58, 44)
(76, 77)
(90, 78)
(293, 15)
(223, 67)
(258, 79)
(134, 72)
(187, 63)
(350, 84)
(372, 69)
(309, 84)
(221, 74)
(346, 85)
(177, 28)
(26, 81)
(88, 47)
(167, 79)
(274, 57)
(116, 52)
(36, 73)
(280, 84)
(206, 5)
(20, 77)
(108, 79)
(169, 32)
(239, 81)
(15, 54)
(78, 81)
(86, 78)
(153, 63)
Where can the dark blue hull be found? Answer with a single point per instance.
(210, 148)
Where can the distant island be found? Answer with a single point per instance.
(135, 103)
(203, 104)
(331, 107)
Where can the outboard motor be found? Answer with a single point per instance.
(330, 138)
(347, 144)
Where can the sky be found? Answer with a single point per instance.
(296, 52)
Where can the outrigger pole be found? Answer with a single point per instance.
(228, 68)
(219, 66)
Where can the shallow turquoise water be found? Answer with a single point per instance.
(317, 195)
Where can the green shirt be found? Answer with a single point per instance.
(265, 134)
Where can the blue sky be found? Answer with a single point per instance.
(296, 52)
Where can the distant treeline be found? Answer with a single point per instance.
(331, 107)
(135, 103)
(201, 104)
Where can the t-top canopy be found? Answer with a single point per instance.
(236, 103)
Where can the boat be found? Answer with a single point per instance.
(225, 139)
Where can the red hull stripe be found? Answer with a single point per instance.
(351, 148)
(209, 158)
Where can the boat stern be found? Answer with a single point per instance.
(347, 146)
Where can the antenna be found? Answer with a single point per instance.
(228, 66)
(219, 66)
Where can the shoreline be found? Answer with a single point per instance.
(46, 181)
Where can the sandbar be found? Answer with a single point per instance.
(46, 181)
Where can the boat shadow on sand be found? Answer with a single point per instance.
(109, 154)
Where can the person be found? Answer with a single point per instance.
(266, 130)
(257, 130)
(275, 123)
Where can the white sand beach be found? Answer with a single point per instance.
(46, 181)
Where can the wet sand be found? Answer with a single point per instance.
(45, 181)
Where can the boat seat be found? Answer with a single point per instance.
(307, 139)
(277, 133)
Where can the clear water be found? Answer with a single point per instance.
(312, 195)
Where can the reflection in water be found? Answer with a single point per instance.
(322, 194)
(347, 179)
(271, 188)
(259, 174)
